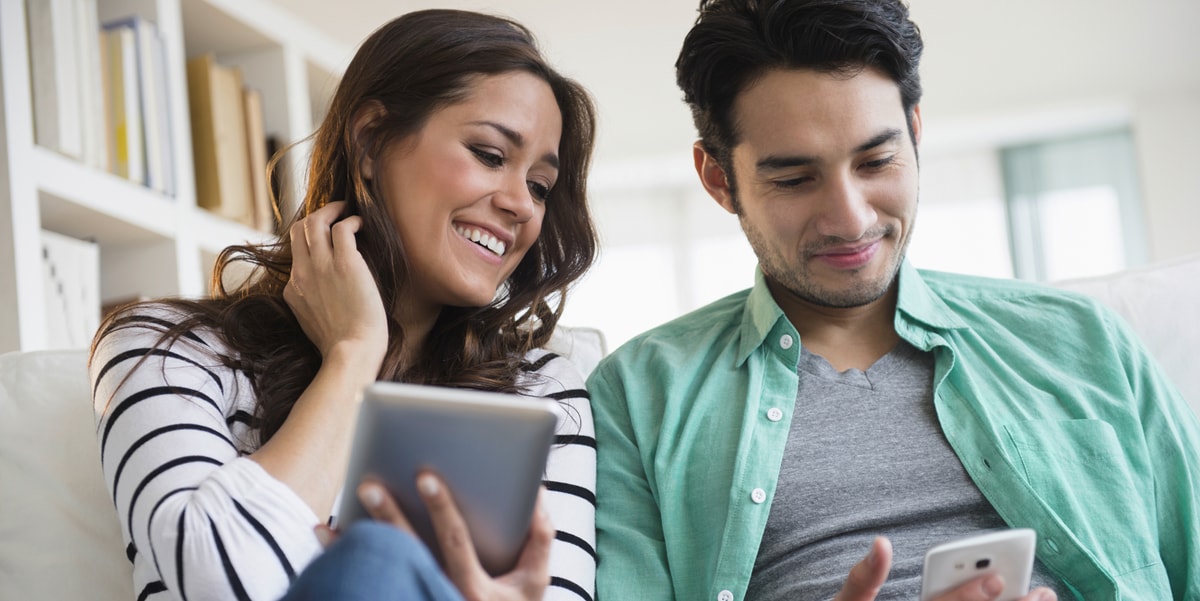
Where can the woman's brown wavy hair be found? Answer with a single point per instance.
(413, 66)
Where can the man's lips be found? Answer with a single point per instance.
(849, 258)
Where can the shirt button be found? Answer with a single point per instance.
(774, 414)
(1051, 545)
(785, 341)
(725, 596)
(758, 495)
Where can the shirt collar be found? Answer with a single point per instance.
(759, 317)
(918, 302)
(918, 307)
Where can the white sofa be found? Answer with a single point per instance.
(59, 537)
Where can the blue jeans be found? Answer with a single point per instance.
(373, 562)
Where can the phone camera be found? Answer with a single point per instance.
(982, 563)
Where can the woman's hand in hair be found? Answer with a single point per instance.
(331, 290)
(526, 582)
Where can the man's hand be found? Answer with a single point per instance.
(868, 575)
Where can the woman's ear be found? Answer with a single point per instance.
(366, 116)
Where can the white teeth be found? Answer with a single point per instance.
(483, 239)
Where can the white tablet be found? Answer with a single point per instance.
(489, 448)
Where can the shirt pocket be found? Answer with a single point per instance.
(1081, 471)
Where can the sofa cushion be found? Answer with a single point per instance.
(59, 536)
(1162, 303)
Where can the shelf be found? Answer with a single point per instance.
(214, 233)
(150, 244)
(85, 203)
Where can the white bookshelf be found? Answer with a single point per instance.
(150, 244)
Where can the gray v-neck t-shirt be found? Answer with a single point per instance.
(866, 457)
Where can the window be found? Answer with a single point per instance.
(1073, 207)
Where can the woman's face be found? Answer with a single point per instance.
(467, 192)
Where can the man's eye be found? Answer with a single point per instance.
(794, 182)
(490, 159)
(539, 191)
(879, 164)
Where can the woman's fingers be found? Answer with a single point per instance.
(453, 538)
(325, 535)
(342, 236)
(532, 573)
(317, 227)
(381, 506)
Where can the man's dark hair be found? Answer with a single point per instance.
(734, 42)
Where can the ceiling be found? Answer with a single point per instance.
(982, 57)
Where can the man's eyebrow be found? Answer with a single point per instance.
(879, 140)
(517, 139)
(775, 162)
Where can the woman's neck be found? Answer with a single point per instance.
(416, 323)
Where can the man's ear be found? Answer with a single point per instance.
(366, 115)
(713, 177)
(916, 124)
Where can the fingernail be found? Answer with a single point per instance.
(873, 555)
(370, 495)
(428, 485)
(993, 585)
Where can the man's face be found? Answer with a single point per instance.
(826, 177)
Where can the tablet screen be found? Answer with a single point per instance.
(489, 448)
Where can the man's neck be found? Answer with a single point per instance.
(850, 338)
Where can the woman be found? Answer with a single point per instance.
(444, 220)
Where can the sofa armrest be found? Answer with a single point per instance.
(59, 535)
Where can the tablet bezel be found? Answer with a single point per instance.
(489, 448)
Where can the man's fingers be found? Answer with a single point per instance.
(988, 588)
(868, 575)
(381, 506)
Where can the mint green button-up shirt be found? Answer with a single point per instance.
(1056, 411)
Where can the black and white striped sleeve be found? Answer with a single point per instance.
(570, 478)
(199, 519)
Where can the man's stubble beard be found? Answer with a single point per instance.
(800, 283)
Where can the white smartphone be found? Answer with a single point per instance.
(489, 448)
(1008, 553)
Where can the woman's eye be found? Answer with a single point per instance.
(490, 159)
(540, 191)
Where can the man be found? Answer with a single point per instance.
(849, 404)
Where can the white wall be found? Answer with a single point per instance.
(994, 73)
(1165, 130)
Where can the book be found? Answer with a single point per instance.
(91, 95)
(256, 139)
(124, 103)
(152, 101)
(219, 147)
(71, 281)
(55, 75)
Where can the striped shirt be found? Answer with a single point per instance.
(201, 520)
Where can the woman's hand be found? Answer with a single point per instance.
(526, 582)
(331, 290)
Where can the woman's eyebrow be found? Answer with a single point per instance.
(517, 139)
